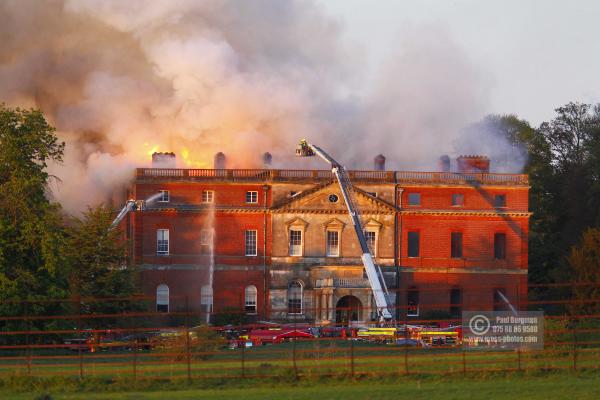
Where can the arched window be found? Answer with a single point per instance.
(412, 302)
(295, 298)
(250, 302)
(206, 298)
(162, 298)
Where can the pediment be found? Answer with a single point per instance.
(328, 198)
(334, 224)
(297, 222)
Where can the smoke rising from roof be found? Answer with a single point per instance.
(121, 80)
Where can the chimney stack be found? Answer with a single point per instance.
(379, 162)
(163, 160)
(219, 161)
(473, 164)
(267, 160)
(444, 163)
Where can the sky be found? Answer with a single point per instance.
(536, 54)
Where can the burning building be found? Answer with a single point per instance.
(278, 244)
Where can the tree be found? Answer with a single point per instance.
(98, 261)
(584, 261)
(31, 230)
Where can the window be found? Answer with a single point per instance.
(500, 200)
(162, 241)
(371, 237)
(252, 197)
(208, 196)
(164, 196)
(458, 199)
(412, 302)
(414, 199)
(206, 298)
(295, 242)
(295, 298)
(162, 298)
(413, 244)
(250, 302)
(333, 244)
(333, 198)
(456, 245)
(500, 246)
(251, 243)
(455, 302)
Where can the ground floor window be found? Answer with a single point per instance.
(412, 302)
(162, 298)
(295, 298)
(250, 302)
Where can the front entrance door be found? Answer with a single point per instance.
(348, 309)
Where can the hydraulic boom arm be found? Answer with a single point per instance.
(374, 274)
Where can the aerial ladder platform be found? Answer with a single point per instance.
(374, 274)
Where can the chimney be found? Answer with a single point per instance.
(473, 164)
(219, 161)
(163, 160)
(444, 163)
(267, 160)
(379, 162)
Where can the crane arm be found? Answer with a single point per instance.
(376, 279)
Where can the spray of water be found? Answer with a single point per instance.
(210, 226)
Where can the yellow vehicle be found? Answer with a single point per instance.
(439, 338)
(377, 334)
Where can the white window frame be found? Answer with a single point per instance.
(161, 237)
(372, 248)
(165, 196)
(252, 197)
(250, 298)
(208, 196)
(328, 247)
(301, 297)
(162, 292)
(246, 238)
(293, 247)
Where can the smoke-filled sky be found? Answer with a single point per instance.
(121, 79)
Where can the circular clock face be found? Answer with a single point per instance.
(333, 198)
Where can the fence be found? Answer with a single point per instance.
(84, 338)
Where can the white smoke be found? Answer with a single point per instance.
(121, 79)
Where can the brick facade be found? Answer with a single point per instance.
(487, 208)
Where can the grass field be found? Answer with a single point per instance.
(510, 386)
